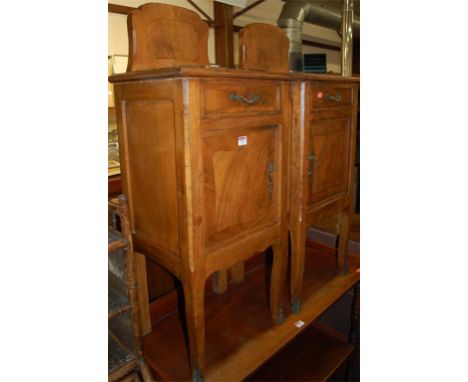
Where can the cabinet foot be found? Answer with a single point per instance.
(195, 320)
(280, 319)
(345, 269)
(296, 305)
(196, 375)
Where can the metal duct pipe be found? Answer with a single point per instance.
(347, 39)
(291, 19)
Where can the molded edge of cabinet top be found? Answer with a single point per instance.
(214, 71)
(195, 71)
(323, 77)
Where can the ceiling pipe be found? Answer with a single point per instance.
(291, 19)
(347, 39)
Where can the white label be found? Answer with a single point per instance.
(242, 141)
(299, 323)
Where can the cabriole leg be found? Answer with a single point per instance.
(195, 316)
(277, 281)
(343, 262)
(298, 234)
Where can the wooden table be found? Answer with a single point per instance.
(240, 335)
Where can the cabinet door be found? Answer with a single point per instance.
(328, 158)
(241, 181)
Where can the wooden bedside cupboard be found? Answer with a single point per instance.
(323, 135)
(204, 160)
(322, 165)
(206, 173)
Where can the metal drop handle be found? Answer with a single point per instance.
(271, 171)
(312, 158)
(249, 101)
(331, 98)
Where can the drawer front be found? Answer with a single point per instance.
(229, 98)
(326, 95)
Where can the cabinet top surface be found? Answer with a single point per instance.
(324, 77)
(217, 72)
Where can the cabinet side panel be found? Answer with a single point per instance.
(151, 170)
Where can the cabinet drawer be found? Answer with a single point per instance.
(228, 98)
(330, 96)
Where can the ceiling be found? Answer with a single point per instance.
(335, 5)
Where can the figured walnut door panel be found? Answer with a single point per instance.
(328, 158)
(241, 181)
(148, 134)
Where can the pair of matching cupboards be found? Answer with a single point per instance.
(212, 159)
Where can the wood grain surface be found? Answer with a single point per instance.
(263, 47)
(313, 356)
(163, 35)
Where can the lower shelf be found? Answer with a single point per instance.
(240, 334)
(313, 356)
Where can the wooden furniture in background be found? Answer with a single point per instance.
(314, 355)
(322, 165)
(114, 186)
(124, 329)
(204, 158)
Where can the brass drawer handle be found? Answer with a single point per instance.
(331, 98)
(249, 101)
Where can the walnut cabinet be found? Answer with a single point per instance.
(219, 164)
(322, 165)
(204, 157)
